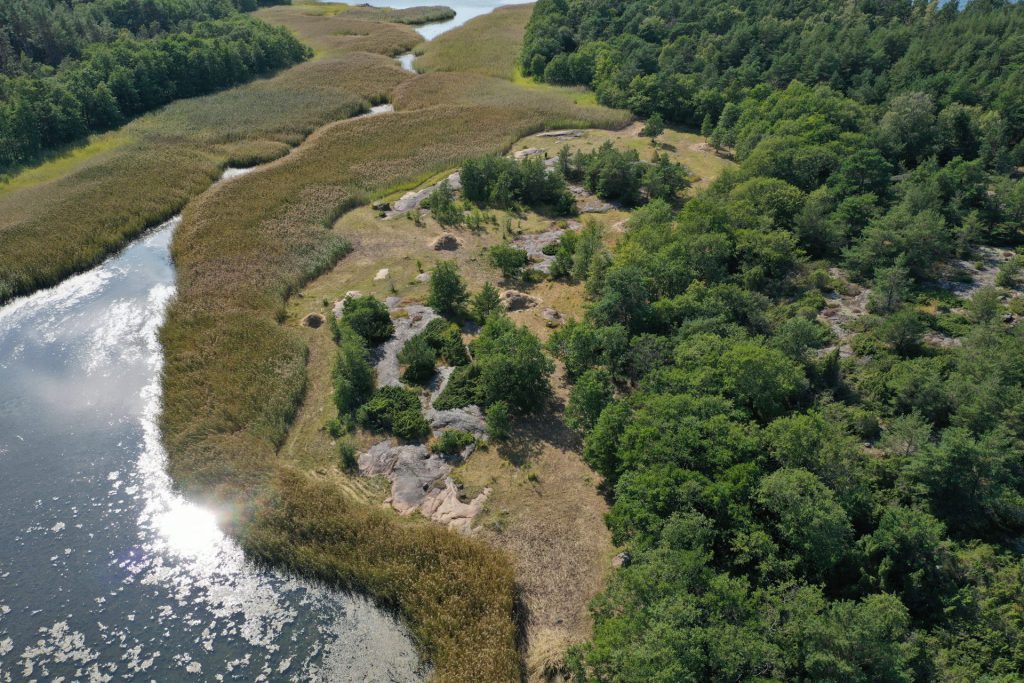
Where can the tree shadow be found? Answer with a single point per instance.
(531, 433)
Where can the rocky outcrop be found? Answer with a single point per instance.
(385, 356)
(535, 244)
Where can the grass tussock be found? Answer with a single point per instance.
(63, 217)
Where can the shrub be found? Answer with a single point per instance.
(369, 317)
(352, 374)
(347, 455)
(512, 364)
(419, 357)
(396, 410)
(442, 205)
(463, 389)
(445, 339)
(509, 260)
(447, 289)
(486, 302)
(499, 421)
(452, 442)
(588, 398)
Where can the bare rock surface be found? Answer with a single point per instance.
(980, 271)
(385, 356)
(526, 153)
(382, 274)
(469, 419)
(339, 306)
(413, 201)
(534, 245)
(412, 469)
(443, 505)
(842, 309)
(564, 134)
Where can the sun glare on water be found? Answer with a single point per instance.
(188, 529)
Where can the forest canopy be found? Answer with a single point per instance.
(804, 389)
(69, 69)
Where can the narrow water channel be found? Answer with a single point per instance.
(106, 574)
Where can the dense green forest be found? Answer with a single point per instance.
(71, 68)
(807, 416)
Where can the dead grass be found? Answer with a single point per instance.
(70, 213)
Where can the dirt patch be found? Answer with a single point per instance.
(514, 300)
(314, 320)
(446, 242)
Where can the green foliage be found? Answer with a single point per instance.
(369, 317)
(419, 358)
(588, 398)
(509, 260)
(447, 289)
(802, 501)
(654, 126)
(485, 302)
(446, 340)
(505, 183)
(443, 207)
(452, 442)
(66, 71)
(396, 410)
(499, 421)
(512, 365)
(463, 389)
(352, 374)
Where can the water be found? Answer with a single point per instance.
(464, 11)
(105, 573)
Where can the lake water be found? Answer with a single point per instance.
(106, 574)
(464, 11)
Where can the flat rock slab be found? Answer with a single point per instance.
(413, 201)
(513, 300)
(561, 134)
(412, 469)
(534, 245)
(526, 153)
(382, 274)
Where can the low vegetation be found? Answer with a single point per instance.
(55, 221)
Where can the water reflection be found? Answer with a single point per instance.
(106, 573)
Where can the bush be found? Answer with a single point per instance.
(442, 206)
(396, 410)
(588, 398)
(499, 421)
(352, 374)
(447, 289)
(445, 339)
(369, 317)
(463, 389)
(512, 365)
(347, 455)
(486, 302)
(509, 260)
(419, 357)
(452, 442)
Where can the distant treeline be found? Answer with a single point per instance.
(686, 59)
(70, 69)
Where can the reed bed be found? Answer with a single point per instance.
(354, 29)
(139, 176)
(488, 45)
